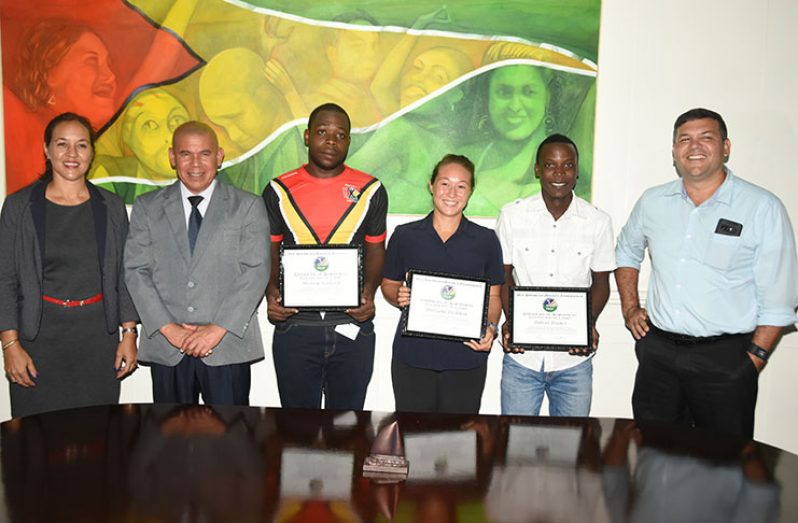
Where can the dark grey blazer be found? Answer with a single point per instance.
(22, 225)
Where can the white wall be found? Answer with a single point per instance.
(656, 59)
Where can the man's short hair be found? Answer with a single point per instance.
(556, 138)
(329, 106)
(700, 113)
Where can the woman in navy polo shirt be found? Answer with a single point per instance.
(438, 375)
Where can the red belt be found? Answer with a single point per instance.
(74, 303)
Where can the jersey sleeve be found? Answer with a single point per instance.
(375, 223)
(276, 221)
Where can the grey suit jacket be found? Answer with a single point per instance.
(22, 241)
(221, 283)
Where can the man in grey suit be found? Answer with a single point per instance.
(196, 265)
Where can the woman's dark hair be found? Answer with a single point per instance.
(48, 137)
(46, 44)
(458, 159)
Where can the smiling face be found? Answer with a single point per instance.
(557, 170)
(83, 80)
(517, 98)
(451, 189)
(195, 156)
(327, 139)
(149, 123)
(699, 151)
(69, 151)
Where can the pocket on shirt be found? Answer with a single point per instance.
(577, 267)
(722, 251)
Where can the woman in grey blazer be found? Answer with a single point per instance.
(62, 292)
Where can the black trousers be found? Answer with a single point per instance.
(425, 390)
(183, 383)
(712, 385)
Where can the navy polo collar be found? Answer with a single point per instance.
(464, 228)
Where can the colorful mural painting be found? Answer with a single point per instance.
(420, 79)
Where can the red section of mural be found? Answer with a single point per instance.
(84, 56)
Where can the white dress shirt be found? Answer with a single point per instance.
(203, 205)
(561, 253)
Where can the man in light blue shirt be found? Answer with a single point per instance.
(723, 284)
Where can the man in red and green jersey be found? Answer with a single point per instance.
(326, 202)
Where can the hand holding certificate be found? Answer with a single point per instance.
(446, 306)
(550, 318)
(321, 277)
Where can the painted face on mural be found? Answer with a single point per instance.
(149, 123)
(328, 140)
(517, 98)
(69, 151)
(557, 171)
(196, 157)
(83, 81)
(699, 152)
(430, 71)
(242, 117)
(353, 56)
(236, 96)
(451, 189)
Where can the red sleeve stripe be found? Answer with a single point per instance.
(376, 239)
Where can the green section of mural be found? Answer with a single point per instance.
(468, 79)
(573, 24)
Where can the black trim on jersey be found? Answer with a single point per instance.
(349, 210)
(298, 212)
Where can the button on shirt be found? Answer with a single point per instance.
(705, 283)
(561, 253)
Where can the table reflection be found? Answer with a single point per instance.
(205, 464)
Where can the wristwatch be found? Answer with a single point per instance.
(759, 352)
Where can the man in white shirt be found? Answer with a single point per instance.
(554, 239)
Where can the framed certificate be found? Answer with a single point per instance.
(321, 277)
(550, 318)
(446, 306)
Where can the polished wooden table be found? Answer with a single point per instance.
(163, 463)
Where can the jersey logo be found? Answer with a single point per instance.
(351, 193)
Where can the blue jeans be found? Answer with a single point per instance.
(310, 360)
(570, 390)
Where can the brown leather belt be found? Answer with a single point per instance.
(74, 303)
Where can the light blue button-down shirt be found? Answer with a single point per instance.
(704, 283)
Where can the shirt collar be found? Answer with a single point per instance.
(722, 194)
(463, 228)
(206, 194)
(574, 209)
